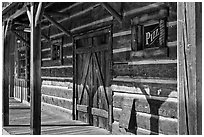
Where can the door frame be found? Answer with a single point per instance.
(91, 33)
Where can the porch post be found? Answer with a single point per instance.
(190, 67)
(5, 93)
(35, 73)
(11, 70)
(198, 12)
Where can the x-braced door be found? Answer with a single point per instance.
(92, 75)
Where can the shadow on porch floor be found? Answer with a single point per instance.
(51, 123)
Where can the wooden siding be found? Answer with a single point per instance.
(152, 84)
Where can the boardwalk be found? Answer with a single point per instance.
(52, 124)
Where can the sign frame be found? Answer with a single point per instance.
(139, 24)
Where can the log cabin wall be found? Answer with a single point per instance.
(145, 89)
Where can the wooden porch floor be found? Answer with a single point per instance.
(51, 123)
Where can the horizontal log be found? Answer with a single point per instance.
(57, 72)
(145, 9)
(155, 124)
(46, 49)
(58, 67)
(149, 53)
(46, 59)
(46, 54)
(151, 61)
(161, 106)
(67, 79)
(68, 85)
(172, 44)
(141, 80)
(68, 57)
(121, 55)
(123, 33)
(154, 90)
(68, 60)
(57, 91)
(121, 50)
(121, 42)
(67, 45)
(48, 62)
(145, 71)
(57, 101)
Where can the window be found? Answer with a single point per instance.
(56, 53)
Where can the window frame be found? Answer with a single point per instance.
(57, 42)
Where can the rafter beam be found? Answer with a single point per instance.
(49, 4)
(112, 11)
(53, 13)
(59, 26)
(18, 13)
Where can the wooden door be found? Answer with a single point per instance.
(92, 78)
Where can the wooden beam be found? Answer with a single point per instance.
(39, 13)
(28, 14)
(67, 8)
(59, 26)
(74, 15)
(112, 11)
(35, 74)
(198, 16)
(5, 93)
(6, 27)
(49, 4)
(18, 13)
(53, 13)
(189, 56)
(21, 38)
(12, 65)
